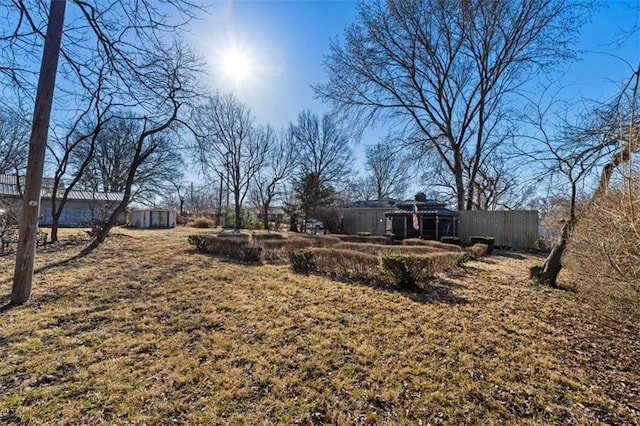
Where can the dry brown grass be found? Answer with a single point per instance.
(146, 331)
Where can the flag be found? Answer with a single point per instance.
(416, 224)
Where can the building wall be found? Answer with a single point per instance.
(511, 228)
(78, 212)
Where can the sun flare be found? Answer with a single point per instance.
(236, 66)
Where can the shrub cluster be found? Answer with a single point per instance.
(407, 271)
(234, 246)
(430, 243)
(201, 222)
(346, 263)
(380, 249)
(371, 262)
(473, 252)
(371, 239)
(268, 236)
(320, 240)
(280, 250)
(301, 260)
(451, 240)
(483, 239)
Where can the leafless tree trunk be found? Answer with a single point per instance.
(280, 161)
(23, 275)
(228, 142)
(617, 138)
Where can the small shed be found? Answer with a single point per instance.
(153, 218)
(434, 220)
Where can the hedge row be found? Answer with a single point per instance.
(371, 239)
(430, 243)
(473, 252)
(379, 249)
(402, 270)
(483, 239)
(228, 245)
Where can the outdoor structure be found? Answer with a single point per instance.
(82, 208)
(153, 218)
(511, 228)
(433, 220)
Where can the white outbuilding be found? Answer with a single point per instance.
(153, 218)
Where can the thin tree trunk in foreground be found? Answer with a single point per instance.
(23, 275)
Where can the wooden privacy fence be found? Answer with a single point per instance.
(511, 228)
(354, 220)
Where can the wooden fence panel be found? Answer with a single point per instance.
(355, 220)
(511, 228)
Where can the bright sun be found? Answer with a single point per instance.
(236, 66)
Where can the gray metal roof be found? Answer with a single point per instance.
(9, 188)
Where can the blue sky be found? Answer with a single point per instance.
(284, 43)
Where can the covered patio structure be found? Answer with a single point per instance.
(434, 220)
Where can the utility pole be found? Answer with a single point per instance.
(220, 215)
(23, 275)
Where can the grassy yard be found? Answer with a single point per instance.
(146, 331)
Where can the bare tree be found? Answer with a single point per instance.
(443, 70)
(228, 143)
(14, 140)
(280, 161)
(594, 150)
(358, 189)
(81, 135)
(388, 168)
(323, 148)
(110, 156)
(126, 33)
(170, 91)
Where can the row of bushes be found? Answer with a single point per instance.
(403, 266)
(405, 271)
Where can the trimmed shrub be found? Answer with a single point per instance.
(301, 260)
(292, 244)
(372, 239)
(450, 240)
(346, 263)
(407, 271)
(378, 249)
(430, 243)
(234, 236)
(267, 237)
(280, 250)
(251, 254)
(320, 240)
(483, 239)
(235, 247)
(444, 260)
(372, 249)
(201, 222)
(199, 241)
(473, 252)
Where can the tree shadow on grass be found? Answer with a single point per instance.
(5, 302)
(434, 291)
